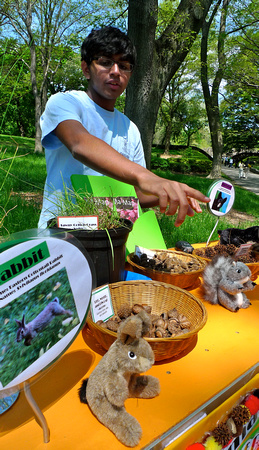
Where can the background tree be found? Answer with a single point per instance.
(181, 113)
(159, 58)
(211, 95)
(236, 38)
(45, 26)
(240, 121)
(240, 107)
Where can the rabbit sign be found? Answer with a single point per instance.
(222, 196)
(45, 289)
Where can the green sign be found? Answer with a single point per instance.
(23, 262)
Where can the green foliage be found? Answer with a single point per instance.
(185, 161)
(240, 120)
(17, 103)
(22, 177)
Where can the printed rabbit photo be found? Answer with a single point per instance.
(219, 202)
(40, 322)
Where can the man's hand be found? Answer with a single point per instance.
(173, 196)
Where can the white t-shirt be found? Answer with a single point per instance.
(113, 127)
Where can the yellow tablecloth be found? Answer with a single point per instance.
(227, 347)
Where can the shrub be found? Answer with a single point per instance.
(181, 165)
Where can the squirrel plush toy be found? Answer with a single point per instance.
(225, 281)
(117, 377)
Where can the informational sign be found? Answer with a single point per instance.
(101, 304)
(45, 292)
(141, 250)
(78, 222)
(222, 196)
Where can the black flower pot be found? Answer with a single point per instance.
(106, 248)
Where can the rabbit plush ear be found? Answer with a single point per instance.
(134, 327)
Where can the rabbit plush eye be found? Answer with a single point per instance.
(132, 355)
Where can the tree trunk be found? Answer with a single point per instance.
(168, 133)
(33, 66)
(212, 98)
(158, 60)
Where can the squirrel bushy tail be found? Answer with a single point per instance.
(82, 392)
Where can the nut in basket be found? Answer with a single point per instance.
(180, 269)
(160, 297)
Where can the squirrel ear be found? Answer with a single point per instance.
(134, 327)
(130, 330)
(234, 263)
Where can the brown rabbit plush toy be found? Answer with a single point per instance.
(117, 378)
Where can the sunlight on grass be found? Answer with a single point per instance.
(26, 172)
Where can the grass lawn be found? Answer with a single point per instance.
(22, 176)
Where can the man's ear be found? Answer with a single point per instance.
(85, 70)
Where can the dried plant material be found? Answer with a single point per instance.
(124, 311)
(167, 324)
(225, 250)
(167, 262)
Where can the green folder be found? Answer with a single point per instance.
(146, 231)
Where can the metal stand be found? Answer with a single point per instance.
(217, 221)
(37, 412)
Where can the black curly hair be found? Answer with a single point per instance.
(107, 41)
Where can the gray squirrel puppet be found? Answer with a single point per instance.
(117, 377)
(225, 281)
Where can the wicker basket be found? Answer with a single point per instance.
(162, 297)
(183, 280)
(254, 267)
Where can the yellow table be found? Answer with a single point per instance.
(226, 351)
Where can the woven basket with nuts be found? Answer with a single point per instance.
(176, 315)
(170, 266)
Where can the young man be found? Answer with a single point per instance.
(83, 133)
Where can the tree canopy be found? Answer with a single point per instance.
(40, 42)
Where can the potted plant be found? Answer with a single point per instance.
(105, 245)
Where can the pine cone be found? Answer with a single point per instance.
(184, 322)
(112, 325)
(222, 434)
(124, 311)
(240, 414)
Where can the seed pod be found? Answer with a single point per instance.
(184, 322)
(147, 308)
(172, 313)
(164, 315)
(172, 328)
(160, 323)
(112, 325)
(124, 311)
(154, 317)
(136, 308)
(160, 332)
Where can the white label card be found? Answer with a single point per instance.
(101, 304)
(242, 250)
(79, 222)
(140, 250)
